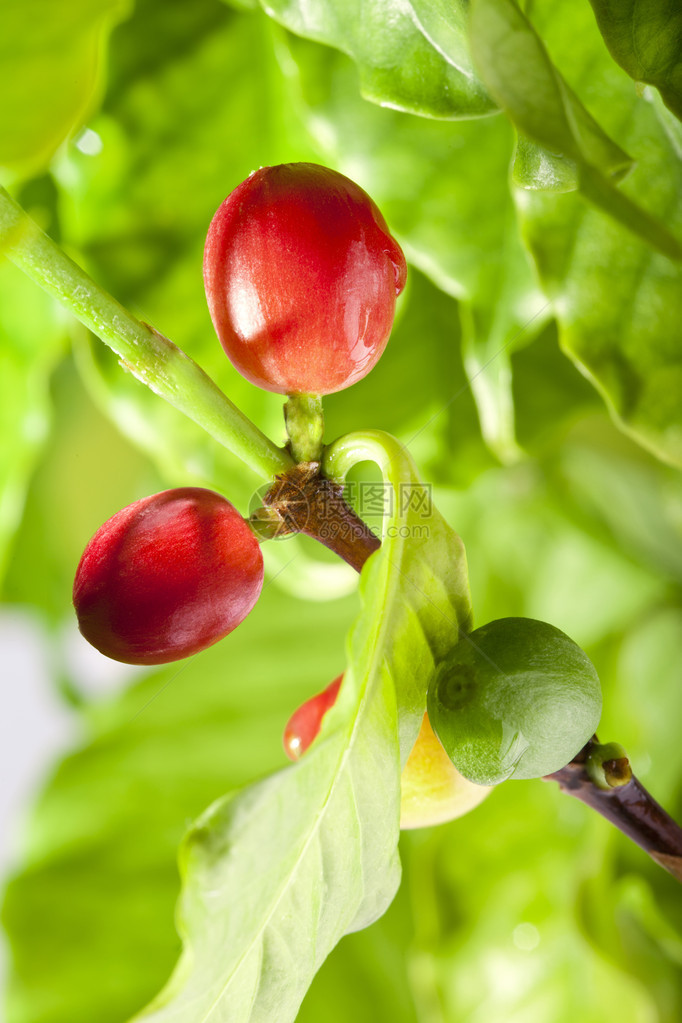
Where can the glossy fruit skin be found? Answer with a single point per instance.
(516, 698)
(432, 791)
(301, 276)
(304, 724)
(167, 577)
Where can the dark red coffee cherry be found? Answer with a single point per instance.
(301, 276)
(167, 577)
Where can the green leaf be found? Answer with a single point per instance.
(539, 169)
(521, 76)
(645, 37)
(420, 575)
(50, 59)
(618, 303)
(412, 56)
(321, 837)
(90, 914)
(446, 25)
(367, 978)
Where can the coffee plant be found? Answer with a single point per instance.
(297, 300)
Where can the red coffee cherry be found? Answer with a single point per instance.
(301, 276)
(432, 791)
(304, 724)
(167, 577)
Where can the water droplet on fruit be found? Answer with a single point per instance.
(395, 254)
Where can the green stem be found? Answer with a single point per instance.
(149, 356)
(304, 420)
(595, 187)
(392, 457)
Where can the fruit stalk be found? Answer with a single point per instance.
(302, 500)
(629, 807)
(304, 420)
(148, 355)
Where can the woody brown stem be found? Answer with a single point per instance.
(302, 500)
(630, 808)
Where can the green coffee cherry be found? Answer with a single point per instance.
(515, 699)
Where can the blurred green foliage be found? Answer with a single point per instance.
(617, 299)
(646, 40)
(50, 69)
(530, 909)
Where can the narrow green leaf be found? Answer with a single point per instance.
(321, 837)
(50, 56)
(619, 305)
(446, 25)
(413, 56)
(420, 576)
(320, 841)
(522, 78)
(645, 37)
